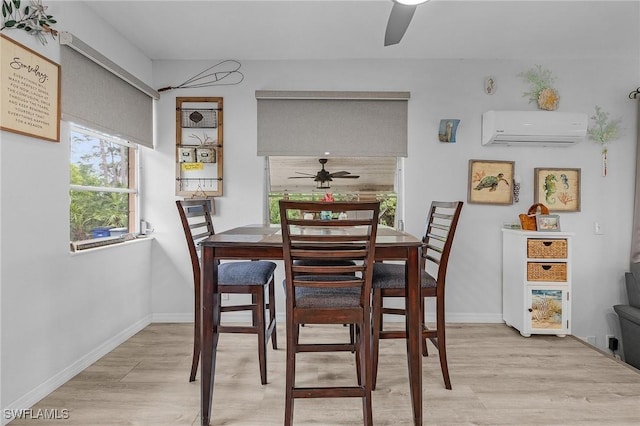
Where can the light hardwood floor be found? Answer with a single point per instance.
(498, 378)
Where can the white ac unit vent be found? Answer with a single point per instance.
(533, 128)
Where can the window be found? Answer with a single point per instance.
(102, 185)
(353, 178)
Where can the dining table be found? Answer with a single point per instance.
(264, 242)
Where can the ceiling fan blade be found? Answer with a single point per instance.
(301, 177)
(347, 177)
(340, 173)
(398, 23)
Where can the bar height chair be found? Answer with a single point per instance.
(246, 277)
(333, 291)
(389, 281)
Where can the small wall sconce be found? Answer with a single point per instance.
(516, 188)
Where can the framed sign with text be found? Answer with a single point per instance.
(30, 92)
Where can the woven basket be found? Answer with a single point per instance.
(537, 271)
(547, 249)
(528, 220)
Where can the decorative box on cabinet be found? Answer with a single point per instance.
(536, 281)
(199, 146)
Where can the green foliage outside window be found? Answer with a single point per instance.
(99, 163)
(387, 204)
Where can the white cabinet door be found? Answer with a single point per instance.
(547, 311)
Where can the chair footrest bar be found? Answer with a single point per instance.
(237, 329)
(237, 308)
(393, 335)
(325, 347)
(329, 392)
(394, 311)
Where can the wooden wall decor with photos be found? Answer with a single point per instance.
(199, 146)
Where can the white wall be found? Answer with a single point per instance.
(434, 170)
(59, 311)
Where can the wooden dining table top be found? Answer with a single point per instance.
(271, 236)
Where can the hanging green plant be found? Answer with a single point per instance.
(541, 90)
(32, 19)
(603, 131)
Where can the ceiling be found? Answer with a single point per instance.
(328, 29)
(354, 29)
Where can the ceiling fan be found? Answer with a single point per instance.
(399, 20)
(323, 177)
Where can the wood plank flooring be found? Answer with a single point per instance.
(498, 378)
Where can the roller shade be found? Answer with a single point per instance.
(97, 96)
(350, 124)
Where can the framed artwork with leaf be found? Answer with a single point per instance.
(490, 182)
(558, 189)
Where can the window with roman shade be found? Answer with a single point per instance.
(348, 124)
(98, 94)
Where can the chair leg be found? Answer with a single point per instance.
(292, 340)
(196, 354)
(442, 345)
(425, 350)
(272, 314)
(356, 339)
(377, 327)
(364, 340)
(196, 336)
(352, 336)
(259, 322)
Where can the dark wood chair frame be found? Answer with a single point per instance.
(197, 224)
(301, 247)
(440, 229)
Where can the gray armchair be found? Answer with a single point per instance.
(629, 317)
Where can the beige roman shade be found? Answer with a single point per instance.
(98, 94)
(349, 124)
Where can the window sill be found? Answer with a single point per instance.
(136, 240)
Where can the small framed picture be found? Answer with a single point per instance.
(548, 222)
(558, 189)
(490, 182)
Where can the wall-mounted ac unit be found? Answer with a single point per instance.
(537, 128)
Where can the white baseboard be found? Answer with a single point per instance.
(44, 389)
(472, 318)
(171, 318)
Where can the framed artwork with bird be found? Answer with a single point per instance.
(490, 182)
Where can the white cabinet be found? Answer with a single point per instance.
(536, 281)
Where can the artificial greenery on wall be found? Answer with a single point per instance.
(32, 19)
(603, 131)
(541, 90)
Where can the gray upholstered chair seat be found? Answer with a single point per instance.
(246, 273)
(391, 275)
(309, 297)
